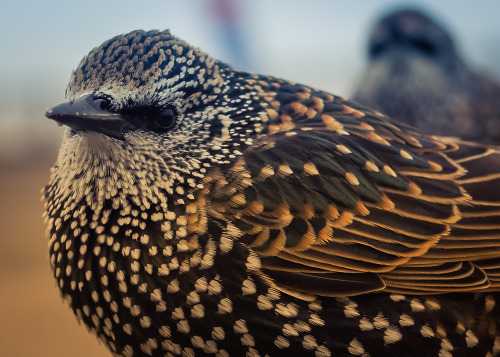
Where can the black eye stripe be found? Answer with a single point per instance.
(151, 118)
(424, 45)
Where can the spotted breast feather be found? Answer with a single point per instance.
(199, 210)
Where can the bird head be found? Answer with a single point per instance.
(147, 110)
(138, 82)
(411, 34)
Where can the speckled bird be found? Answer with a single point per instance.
(415, 74)
(199, 210)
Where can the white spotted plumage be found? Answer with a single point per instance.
(164, 244)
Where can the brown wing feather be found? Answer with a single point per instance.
(338, 200)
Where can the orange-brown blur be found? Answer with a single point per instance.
(33, 319)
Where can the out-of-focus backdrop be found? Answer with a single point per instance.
(316, 42)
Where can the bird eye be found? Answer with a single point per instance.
(102, 103)
(376, 49)
(165, 119)
(425, 46)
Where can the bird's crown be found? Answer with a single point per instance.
(144, 68)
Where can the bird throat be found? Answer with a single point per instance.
(111, 228)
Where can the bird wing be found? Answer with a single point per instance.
(337, 201)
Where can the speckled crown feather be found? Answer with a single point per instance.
(144, 59)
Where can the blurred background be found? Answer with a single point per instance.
(317, 42)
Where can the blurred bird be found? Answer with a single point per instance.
(416, 75)
(199, 210)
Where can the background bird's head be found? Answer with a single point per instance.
(416, 75)
(410, 34)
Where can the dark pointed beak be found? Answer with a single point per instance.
(88, 113)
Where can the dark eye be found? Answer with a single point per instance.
(424, 46)
(165, 119)
(376, 49)
(101, 101)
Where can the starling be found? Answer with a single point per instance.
(416, 75)
(199, 210)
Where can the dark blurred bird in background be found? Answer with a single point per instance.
(195, 210)
(416, 75)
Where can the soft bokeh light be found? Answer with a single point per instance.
(317, 42)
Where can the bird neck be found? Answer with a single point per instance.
(107, 221)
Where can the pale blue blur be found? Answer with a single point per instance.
(317, 42)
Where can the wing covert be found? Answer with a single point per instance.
(332, 192)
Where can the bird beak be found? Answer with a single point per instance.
(86, 114)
